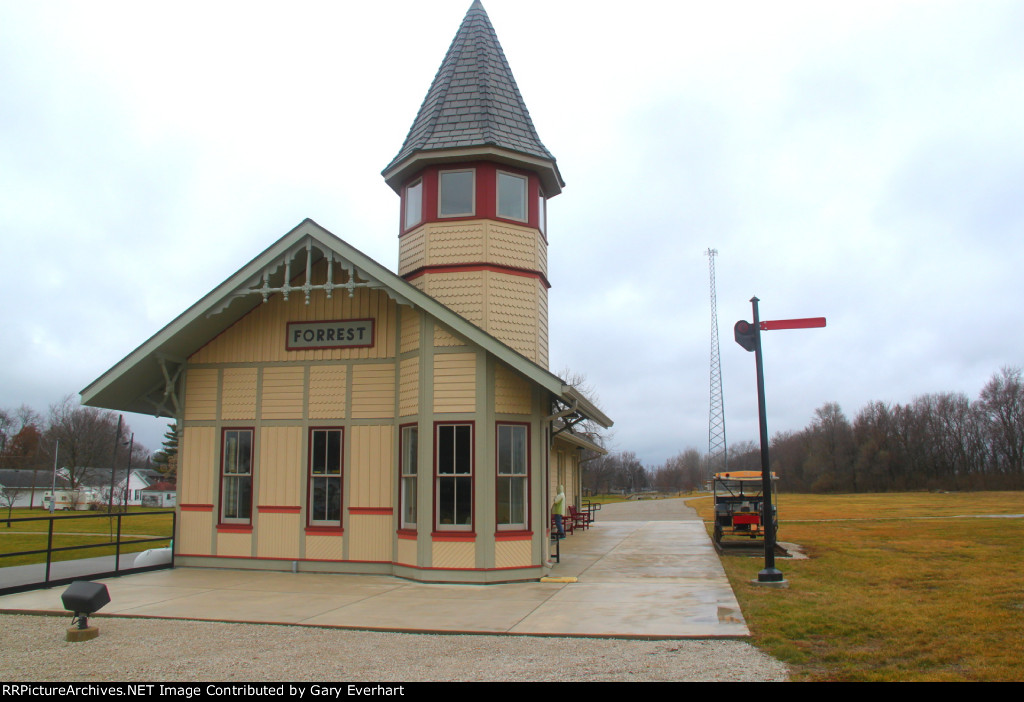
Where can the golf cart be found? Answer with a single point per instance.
(739, 504)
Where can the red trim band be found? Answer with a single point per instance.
(370, 510)
(325, 530)
(195, 508)
(466, 536)
(474, 267)
(278, 509)
(234, 528)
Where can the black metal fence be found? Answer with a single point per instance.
(19, 578)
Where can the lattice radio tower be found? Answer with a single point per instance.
(716, 417)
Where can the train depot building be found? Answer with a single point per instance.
(338, 417)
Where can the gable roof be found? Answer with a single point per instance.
(474, 102)
(145, 381)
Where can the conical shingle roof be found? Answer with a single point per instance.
(473, 101)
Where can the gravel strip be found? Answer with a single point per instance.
(32, 648)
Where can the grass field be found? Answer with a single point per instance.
(903, 586)
(79, 529)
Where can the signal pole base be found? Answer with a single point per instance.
(771, 577)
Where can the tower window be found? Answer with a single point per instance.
(542, 212)
(511, 196)
(414, 204)
(456, 196)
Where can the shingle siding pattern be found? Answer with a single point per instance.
(474, 100)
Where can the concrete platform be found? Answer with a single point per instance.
(645, 579)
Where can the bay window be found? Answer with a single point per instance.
(454, 479)
(409, 458)
(413, 204)
(456, 194)
(512, 476)
(511, 196)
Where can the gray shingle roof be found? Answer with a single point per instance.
(474, 100)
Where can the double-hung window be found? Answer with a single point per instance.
(325, 459)
(511, 196)
(236, 477)
(410, 448)
(456, 194)
(454, 486)
(513, 476)
(413, 204)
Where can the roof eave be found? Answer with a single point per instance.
(398, 173)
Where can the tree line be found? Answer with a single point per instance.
(941, 441)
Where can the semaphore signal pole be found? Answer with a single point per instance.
(749, 337)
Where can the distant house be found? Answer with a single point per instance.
(25, 488)
(128, 485)
(161, 494)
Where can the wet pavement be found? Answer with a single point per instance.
(645, 569)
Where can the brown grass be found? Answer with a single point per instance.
(888, 595)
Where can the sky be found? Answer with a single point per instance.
(862, 162)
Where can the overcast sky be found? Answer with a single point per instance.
(861, 161)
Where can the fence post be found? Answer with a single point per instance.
(117, 546)
(49, 549)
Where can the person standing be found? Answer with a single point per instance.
(558, 509)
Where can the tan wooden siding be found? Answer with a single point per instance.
(327, 392)
(194, 530)
(373, 391)
(324, 547)
(234, 545)
(448, 242)
(455, 382)
(238, 396)
(542, 327)
(412, 251)
(513, 393)
(409, 387)
(454, 554)
(282, 474)
(410, 330)
(198, 467)
(201, 394)
(461, 291)
(260, 336)
(513, 554)
(371, 468)
(481, 241)
(444, 338)
(282, 392)
(509, 245)
(370, 537)
(406, 554)
(278, 536)
(513, 311)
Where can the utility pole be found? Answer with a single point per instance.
(717, 449)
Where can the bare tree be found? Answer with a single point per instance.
(1002, 402)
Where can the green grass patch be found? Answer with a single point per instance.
(888, 596)
(80, 529)
(99, 546)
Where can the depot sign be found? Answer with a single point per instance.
(331, 334)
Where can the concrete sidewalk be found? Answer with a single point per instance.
(658, 579)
